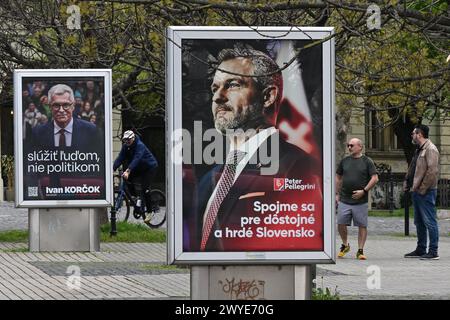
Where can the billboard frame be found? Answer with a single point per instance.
(176, 255)
(19, 74)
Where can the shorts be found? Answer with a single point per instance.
(357, 212)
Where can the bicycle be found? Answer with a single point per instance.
(124, 198)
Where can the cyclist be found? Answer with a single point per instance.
(142, 165)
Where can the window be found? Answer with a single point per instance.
(378, 138)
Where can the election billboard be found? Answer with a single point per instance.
(250, 122)
(62, 138)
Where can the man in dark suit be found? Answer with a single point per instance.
(64, 130)
(75, 145)
(253, 202)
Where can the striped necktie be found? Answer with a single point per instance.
(225, 182)
(62, 138)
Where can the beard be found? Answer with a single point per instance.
(250, 117)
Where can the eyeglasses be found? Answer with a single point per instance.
(350, 145)
(65, 106)
(126, 140)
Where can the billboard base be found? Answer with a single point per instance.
(64, 229)
(258, 282)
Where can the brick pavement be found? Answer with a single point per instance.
(119, 271)
(12, 218)
(400, 278)
(136, 271)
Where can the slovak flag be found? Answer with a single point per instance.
(294, 119)
(278, 184)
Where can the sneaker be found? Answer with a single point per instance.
(430, 256)
(360, 255)
(344, 250)
(414, 254)
(148, 217)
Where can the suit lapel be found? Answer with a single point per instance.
(249, 180)
(246, 182)
(75, 137)
(50, 133)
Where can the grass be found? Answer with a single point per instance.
(126, 232)
(14, 236)
(324, 293)
(15, 250)
(131, 232)
(385, 213)
(163, 267)
(396, 212)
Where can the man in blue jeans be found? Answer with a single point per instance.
(422, 180)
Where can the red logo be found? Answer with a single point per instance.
(278, 184)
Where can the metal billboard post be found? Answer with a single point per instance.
(235, 248)
(407, 195)
(63, 163)
(252, 282)
(64, 229)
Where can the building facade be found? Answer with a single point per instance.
(383, 147)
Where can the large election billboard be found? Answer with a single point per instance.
(63, 138)
(250, 114)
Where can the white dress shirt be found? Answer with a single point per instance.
(250, 147)
(67, 133)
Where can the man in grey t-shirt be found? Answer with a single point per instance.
(355, 176)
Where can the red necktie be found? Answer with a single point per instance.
(225, 182)
(62, 138)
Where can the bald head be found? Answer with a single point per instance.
(355, 147)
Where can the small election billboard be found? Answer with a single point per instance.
(63, 138)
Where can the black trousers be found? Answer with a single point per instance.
(142, 181)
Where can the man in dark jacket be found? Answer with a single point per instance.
(142, 165)
(422, 180)
(65, 131)
(227, 199)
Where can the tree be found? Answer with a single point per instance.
(398, 71)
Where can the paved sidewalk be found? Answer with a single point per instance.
(12, 218)
(138, 271)
(119, 271)
(400, 278)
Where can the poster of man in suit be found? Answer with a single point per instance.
(63, 156)
(253, 145)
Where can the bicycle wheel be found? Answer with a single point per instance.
(157, 217)
(122, 206)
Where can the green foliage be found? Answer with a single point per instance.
(14, 236)
(385, 213)
(15, 250)
(164, 267)
(382, 67)
(126, 232)
(392, 69)
(323, 293)
(131, 232)
(8, 169)
(429, 6)
(147, 102)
